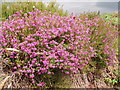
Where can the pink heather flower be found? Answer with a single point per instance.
(14, 67)
(6, 60)
(21, 71)
(91, 47)
(45, 62)
(35, 54)
(60, 60)
(25, 14)
(39, 73)
(33, 62)
(32, 76)
(81, 61)
(57, 61)
(22, 62)
(67, 73)
(60, 67)
(24, 71)
(83, 64)
(4, 44)
(25, 42)
(21, 44)
(86, 62)
(75, 71)
(30, 65)
(17, 12)
(26, 74)
(41, 84)
(17, 31)
(96, 25)
(72, 68)
(49, 72)
(29, 71)
(35, 59)
(81, 67)
(25, 67)
(15, 72)
(52, 66)
(33, 48)
(37, 64)
(14, 15)
(93, 67)
(33, 81)
(18, 65)
(28, 61)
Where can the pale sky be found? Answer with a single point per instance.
(68, 0)
(84, 0)
(80, 6)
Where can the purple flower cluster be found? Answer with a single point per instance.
(47, 42)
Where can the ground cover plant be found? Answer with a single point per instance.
(38, 44)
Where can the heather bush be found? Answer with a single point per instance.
(101, 30)
(9, 8)
(38, 44)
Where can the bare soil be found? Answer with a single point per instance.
(79, 80)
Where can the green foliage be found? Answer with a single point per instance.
(112, 81)
(117, 88)
(112, 17)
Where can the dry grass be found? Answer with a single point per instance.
(15, 81)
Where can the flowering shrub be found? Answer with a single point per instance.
(37, 43)
(9, 8)
(104, 39)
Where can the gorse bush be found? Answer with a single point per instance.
(39, 43)
(9, 8)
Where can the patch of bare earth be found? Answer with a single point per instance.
(79, 80)
(94, 80)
